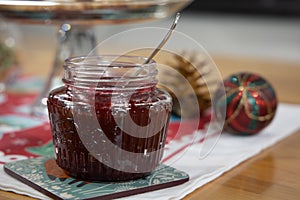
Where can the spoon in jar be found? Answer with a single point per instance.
(165, 39)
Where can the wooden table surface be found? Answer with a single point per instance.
(274, 173)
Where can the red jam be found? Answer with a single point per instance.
(132, 118)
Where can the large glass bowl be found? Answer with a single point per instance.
(89, 12)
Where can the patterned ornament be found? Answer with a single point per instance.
(250, 104)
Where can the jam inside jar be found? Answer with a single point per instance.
(109, 121)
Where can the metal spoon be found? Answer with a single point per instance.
(166, 38)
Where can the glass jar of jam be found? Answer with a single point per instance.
(109, 120)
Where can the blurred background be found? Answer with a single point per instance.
(259, 29)
(240, 29)
(256, 7)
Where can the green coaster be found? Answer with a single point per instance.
(44, 175)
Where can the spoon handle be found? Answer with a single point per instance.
(163, 42)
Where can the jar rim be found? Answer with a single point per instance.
(110, 58)
(106, 71)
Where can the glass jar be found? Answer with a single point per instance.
(109, 121)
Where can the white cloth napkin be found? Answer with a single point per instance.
(229, 150)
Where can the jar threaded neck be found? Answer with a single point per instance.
(110, 72)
